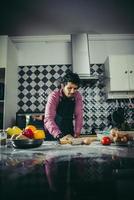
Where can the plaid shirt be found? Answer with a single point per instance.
(50, 113)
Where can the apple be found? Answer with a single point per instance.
(28, 133)
(106, 140)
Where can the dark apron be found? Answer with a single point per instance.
(64, 115)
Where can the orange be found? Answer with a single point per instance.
(32, 127)
(39, 134)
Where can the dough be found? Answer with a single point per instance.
(66, 139)
(86, 140)
(89, 140)
(69, 139)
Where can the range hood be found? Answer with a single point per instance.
(80, 56)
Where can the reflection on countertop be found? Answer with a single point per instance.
(65, 170)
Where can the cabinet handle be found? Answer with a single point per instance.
(125, 72)
(131, 71)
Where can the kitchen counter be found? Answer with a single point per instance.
(67, 171)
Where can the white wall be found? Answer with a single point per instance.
(46, 50)
(38, 51)
(11, 85)
(102, 46)
(3, 51)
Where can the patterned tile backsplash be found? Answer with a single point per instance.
(36, 82)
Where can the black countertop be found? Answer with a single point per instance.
(69, 171)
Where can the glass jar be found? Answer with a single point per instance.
(3, 138)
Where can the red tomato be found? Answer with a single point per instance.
(106, 140)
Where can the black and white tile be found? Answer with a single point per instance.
(37, 82)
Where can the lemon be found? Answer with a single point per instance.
(39, 134)
(13, 131)
(17, 130)
(9, 131)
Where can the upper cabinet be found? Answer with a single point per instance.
(119, 71)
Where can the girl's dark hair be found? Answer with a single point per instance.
(70, 77)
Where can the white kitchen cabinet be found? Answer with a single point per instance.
(119, 72)
(8, 63)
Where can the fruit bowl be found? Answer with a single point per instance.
(26, 143)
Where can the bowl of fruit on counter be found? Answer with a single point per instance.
(29, 137)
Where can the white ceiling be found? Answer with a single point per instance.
(59, 17)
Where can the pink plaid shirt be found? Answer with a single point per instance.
(50, 113)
